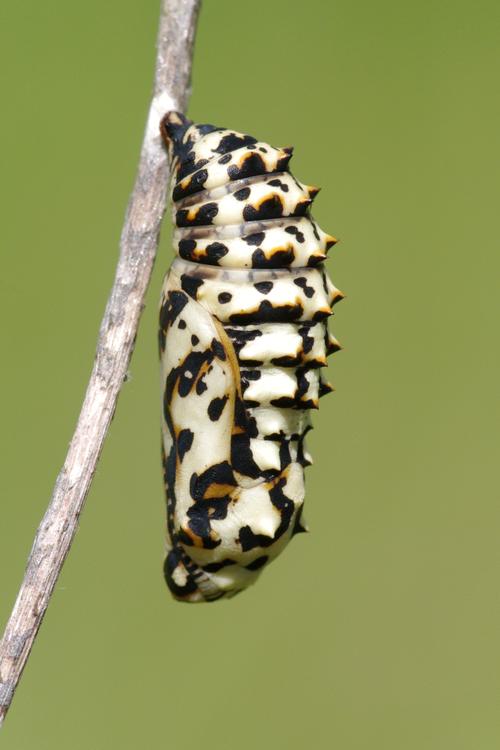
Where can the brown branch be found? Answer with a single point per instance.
(138, 245)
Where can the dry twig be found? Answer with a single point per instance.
(138, 247)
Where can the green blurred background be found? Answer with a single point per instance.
(380, 628)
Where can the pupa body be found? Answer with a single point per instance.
(243, 336)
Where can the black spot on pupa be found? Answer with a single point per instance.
(315, 260)
(278, 259)
(215, 510)
(267, 312)
(303, 375)
(254, 239)
(285, 455)
(251, 426)
(218, 350)
(190, 284)
(242, 459)
(278, 183)
(292, 229)
(241, 418)
(225, 159)
(242, 195)
(301, 282)
(251, 165)
(224, 297)
(182, 324)
(253, 362)
(286, 361)
(233, 141)
(184, 442)
(240, 336)
(270, 208)
(321, 314)
(204, 214)
(216, 407)
(284, 402)
(248, 375)
(250, 404)
(215, 251)
(281, 502)
(186, 248)
(172, 307)
(194, 340)
(201, 386)
(264, 287)
(189, 165)
(307, 340)
(195, 184)
(325, 285)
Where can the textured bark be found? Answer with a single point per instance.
(138, 245)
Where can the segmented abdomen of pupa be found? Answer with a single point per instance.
(243, 336)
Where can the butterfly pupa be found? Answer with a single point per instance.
(243, 337)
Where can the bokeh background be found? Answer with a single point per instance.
(380, 628)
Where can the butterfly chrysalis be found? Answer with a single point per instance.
(243, 336)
